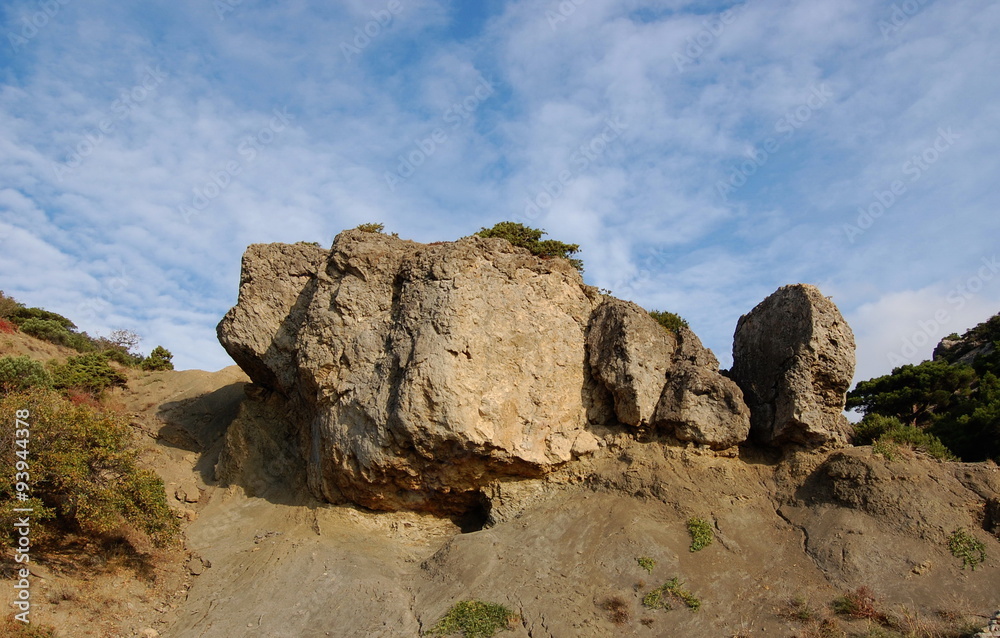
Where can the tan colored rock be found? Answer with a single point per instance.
(187, 493)
(793, 357)
(665, 379)
(698, 404)
(417, 373)
(630, 353)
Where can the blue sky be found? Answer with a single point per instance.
(701, 154)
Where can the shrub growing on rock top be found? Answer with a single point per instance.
(669, 320)
(531, 238)
(970, 549)
(672, 590)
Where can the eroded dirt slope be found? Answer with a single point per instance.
(280, 564)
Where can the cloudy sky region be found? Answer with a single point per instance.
(702, 154)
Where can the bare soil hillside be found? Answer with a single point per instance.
(791, 536)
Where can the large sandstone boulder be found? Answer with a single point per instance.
(793, 356)
(399, 375)
(664, 379)
(418, 373)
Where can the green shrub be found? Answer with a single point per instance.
(124, 358)
(886, 434)
(646, 563)
(371, 227)
(45, 329)
(669, 320)
(158, 359)
(83, 471)
(531, 238)
(661, 597)
(55, 332)
(701, 533)
(799, 609)
(970, 549)
(90, 372)
(873, 426)
(886, 449)
(21, 373)
(8, 305)
(80, 342)
(474, 619)
(22, 314)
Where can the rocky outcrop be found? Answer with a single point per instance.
(630, 354)
(793, 357)
(400, 375)
(664, 379)
(419, 372)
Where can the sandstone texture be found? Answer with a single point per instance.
(399, 375)
(418, 373)
(664, 379)
(793, 357)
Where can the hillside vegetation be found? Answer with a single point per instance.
(74, 454)
(951, 401)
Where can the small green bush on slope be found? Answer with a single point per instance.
(158, 359)
(83, 472)
(886, 432)
(89, 372)
(21, 373)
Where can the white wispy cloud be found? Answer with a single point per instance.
(143, 148)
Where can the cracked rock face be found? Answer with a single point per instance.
(664, 379)
(418, 373)
(793, 356)
(399, 375)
